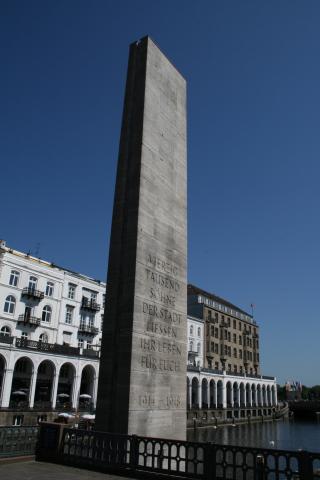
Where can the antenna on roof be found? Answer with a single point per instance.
(36, 253)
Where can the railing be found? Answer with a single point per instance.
(32, 292)
(88, 352)
(29, 319)
(18, 441)
(89, 329)
(47, 347)
(88, 304)
(213, 370)
(6, 338)
(132, 454)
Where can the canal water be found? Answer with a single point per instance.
(280, 434)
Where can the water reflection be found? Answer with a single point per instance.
(287, 435)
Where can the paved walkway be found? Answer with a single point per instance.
(49, 471)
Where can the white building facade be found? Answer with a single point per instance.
(50, 336)
(50, 333)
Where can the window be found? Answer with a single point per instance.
(199, 332)
(240, 340)
(240, 325)
(43, 338)
(6, 331)
(69, 314)
(240, 353)
(235, 369)
(235, 352)
(198, 348)
(33, 283)
(24, 335)
(101, 323)
(46, 314)
(216, 365)
(212, 331)
(80, 343)
(10, 304)
(234, 338)
(212, 347)
(42, 418)
(191, 330)
(49, 289)
(17, 420)
(66, 338)
(14, 278)
(71, 291)
(93, 296)
(89, 345)
(216, 334)
(216, 348)
(191, 347)
(234, 324)
(104, 300)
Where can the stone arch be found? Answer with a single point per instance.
(87, 385)
(259, 395)
(213, 394)
(220, 393)
(229, 392)
(204, 394)
(254, 395)
(66, 384)
(242, 395)
(273, 395)
(264, 396)
(45, 377)
(3, 366)
(235, 394)
(195, 392)
(268, 396)
(21, 382)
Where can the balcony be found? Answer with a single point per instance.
(88, 329)
(29, 320)
(89, 353)
(32, 293)
(6, 339)
(47, 347)
(89, 304)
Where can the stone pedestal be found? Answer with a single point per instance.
(142, 381)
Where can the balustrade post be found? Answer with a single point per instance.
(260, 470)
(6, 388)
(209, 468)
(305, 466)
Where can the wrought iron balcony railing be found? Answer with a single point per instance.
(88, 304)
(6, 339)
(88, 329)
(32, 293)
(29, 320)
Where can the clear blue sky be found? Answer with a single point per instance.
(253, 75)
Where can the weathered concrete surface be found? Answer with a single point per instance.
(142, 382)
(49, 471)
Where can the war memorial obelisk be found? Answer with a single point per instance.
(142, 381)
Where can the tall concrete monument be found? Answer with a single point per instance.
(142, 382)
